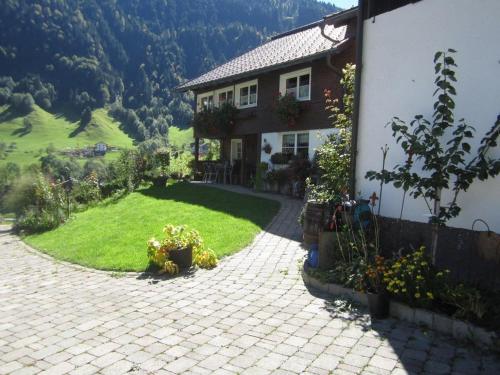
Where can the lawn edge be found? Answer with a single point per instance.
(43, 254)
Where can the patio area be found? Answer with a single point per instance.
(250, 315)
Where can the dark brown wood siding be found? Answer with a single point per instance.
(262, 119)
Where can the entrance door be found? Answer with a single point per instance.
(236, 150)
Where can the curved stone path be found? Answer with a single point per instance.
(250, 315)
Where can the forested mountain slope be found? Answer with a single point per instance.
(90, 53)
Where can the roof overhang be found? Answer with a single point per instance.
(339, 47)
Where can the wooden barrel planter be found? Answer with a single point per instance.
(314, 216)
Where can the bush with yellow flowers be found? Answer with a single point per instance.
(413, 279)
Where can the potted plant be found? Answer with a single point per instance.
(288, 109)
(267, 148)
(374, 285)
(177, 247)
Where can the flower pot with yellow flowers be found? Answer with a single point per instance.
(375, 287)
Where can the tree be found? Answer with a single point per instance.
(442, 149)
(334, 156)
(23, 103)
(86, 117)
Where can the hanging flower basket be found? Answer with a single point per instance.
(215, 121)
(288, 109)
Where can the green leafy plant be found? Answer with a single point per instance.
(468, 301)
(179, 238)
(280, 158)
(333, 158)
(259, 175)
(205, 258)
(288, 109)
(443, 152)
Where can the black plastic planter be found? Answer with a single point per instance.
(182, 257)
(378, 303)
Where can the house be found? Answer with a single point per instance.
(303, 63)
(100, 148)
(397, 79)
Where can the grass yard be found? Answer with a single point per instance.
(113, 236)
(58, 131)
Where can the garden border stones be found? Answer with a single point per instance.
(458, 329)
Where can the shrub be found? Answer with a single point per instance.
(87, 191)
(39, 205)
(467, 301)
(280, 158)
(23, 103)
(181, 165)
(128, 171)
(413, 280)
(333, 158)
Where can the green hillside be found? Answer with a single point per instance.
(180, 138)
(57, 131)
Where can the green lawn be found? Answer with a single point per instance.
(56, 130)
(114, 236)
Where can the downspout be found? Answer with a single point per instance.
(336, 70)
(357, 94)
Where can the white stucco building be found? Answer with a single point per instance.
(398, 80)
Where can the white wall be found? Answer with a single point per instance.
(398, 80)
(316, 138)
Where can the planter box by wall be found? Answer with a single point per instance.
(471, 256)
(458, 329)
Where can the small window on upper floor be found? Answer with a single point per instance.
(246, 94)
(226, 97)
(205, 101)
(297, 83)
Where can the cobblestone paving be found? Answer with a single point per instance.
(250, 315)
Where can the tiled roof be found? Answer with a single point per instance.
(285, 49)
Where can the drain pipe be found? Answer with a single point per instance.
(336, 70)
(357, 95)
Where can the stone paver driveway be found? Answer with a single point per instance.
(251, 315)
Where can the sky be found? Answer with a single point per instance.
(345, 4)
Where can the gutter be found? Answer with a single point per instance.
(357, 95)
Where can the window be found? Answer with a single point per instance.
(296, 144)
(303, 145)
(246, 94)
(297, 83)
(205, 101)
(226, 97)
(288, 144)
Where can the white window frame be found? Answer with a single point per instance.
(222, 91)
(235, 142)
(296, 74)
(296, 136)
(200, 97)
(242, 85)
